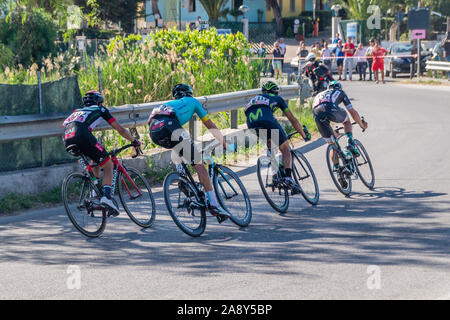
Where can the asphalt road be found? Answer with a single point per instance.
(390, 243)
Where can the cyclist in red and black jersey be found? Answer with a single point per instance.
(78, 131)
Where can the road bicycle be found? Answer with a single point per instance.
(271, 182)
(346, 166)
(81, 193)
(186, 198)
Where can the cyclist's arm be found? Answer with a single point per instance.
(122, 131)
(215, 131)
(357, 118)
(203, 115)
(295, 123)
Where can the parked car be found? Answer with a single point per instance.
(399, 64)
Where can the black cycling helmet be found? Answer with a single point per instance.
(270, 87)
(92, 98)
(334, 85)
(182, 90)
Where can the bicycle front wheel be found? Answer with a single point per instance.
(137, 198)
(82, 203)
(232, 195)
(305, 177)
(340, 173)
(269, 180)
(364, 166)
(184, 205)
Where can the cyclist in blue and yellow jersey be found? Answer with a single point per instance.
(259, 112)
(78, 131)
(165, 126)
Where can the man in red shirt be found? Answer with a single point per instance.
(349, 50)
(378, 53)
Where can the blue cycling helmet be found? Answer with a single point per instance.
(334, 85)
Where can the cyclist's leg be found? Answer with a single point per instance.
(322, 117)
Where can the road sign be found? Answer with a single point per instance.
(419, 18)
(352, 30)
(418, 34)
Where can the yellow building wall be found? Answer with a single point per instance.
(286, 9)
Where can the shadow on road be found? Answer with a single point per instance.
(391, 230)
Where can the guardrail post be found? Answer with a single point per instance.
(100, 79)
(234, 119)
(193, 130)
(41, 111)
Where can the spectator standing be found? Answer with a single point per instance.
(261, 53)
(337, 38)
(340, 54)
(349, 50)
(316, 50)
(276, 62)
(370, 57)
(326, 55)
(378, 60)
(302, 53)
(445, 44)
(361, 61)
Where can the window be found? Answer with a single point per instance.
(192, 5)
(292, 6)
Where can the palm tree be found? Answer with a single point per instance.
(215, 9)
(277, 14)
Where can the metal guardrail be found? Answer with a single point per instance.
(437, 65)
(46, 125)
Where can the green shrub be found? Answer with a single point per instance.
(31, 37)
(6, 57)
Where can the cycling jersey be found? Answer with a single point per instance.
(78, 127)
(259, 112)
(334, 97)
(90, 116)
(326, 108)
(183, 109)
(269, 100)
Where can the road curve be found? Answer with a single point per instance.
(390, 243)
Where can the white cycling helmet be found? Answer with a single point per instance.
(311, 57)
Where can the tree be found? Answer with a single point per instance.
(155, 9)
(215, 9)
(277, 14)
(123, 11)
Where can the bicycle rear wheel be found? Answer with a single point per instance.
(232, 195)
(82, 203)
(364, 166)
(340, 174)
(270, 182)
(137, 198)
(183, 204)
(305, 177)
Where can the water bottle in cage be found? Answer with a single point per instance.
(180, 169)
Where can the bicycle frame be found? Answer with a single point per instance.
(118, 168)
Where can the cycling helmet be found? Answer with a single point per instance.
(182, 90)
(311, 57)
(334, 85)
(270, 87)
(92, 98)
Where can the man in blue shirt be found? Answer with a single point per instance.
(340, 54)
(166, 130)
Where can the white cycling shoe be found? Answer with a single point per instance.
(111, 205)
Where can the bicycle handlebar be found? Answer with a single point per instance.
(115, 152)
(340, 128)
